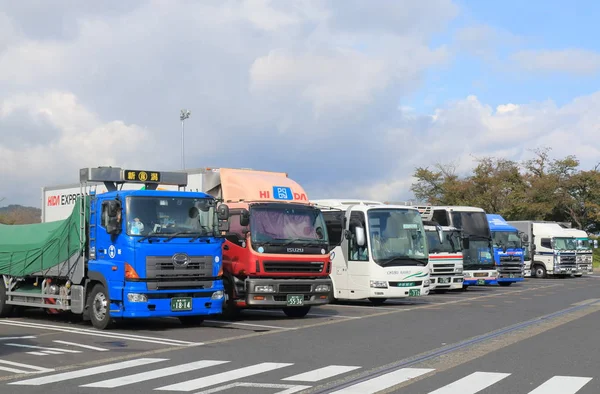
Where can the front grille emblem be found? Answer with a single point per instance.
(180, 259)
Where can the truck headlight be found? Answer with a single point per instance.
(135, 297)
(467, 275)
(458, 270)
(379, 284)
(426, 282)
(322, 289)
(217, 295)
(264, 289)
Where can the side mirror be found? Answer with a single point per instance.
(360, 236)
(319, 232)
(595, 243)
(347, 234)
(465, 242)
(244, 218)
(440, 233)
(504, 248)
(115, 220)
(524, 237)
(223, 212)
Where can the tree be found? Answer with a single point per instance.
(440, 187)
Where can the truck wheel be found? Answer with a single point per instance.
(99, 306)
(300, 311)
(505, 284)
(5, 309)
(230, 310)
(191, 320)
(539, 271)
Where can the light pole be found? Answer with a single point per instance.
(183, 116)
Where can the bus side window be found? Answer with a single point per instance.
(358, 253)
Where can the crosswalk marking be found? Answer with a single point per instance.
(561, 385)
(83, 346)
(87, 372)
(322, 373)
(289, 389)
(26, 366)
(155, 374)
(384, 381)
(43, 348)
(472, 384)
(212, 380)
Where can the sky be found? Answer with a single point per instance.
(348, 97)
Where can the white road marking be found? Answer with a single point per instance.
(81, 345)
(13, 338)
(87, 372)
(472, 383)
(14, 364)
(36, 353)
(382, 382)
(248, 324)
(289, 389)
(155, 374)
(322, 373)
(561, 385)
(43, 348)
(212, 380)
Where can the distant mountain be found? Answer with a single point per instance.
(19, 214)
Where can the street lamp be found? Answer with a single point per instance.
(183, 116)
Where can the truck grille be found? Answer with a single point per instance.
(567, 261)
(292, 266)
(164, 274)
(295, 288)
(510, 258)
(441, 269)
(510, 268)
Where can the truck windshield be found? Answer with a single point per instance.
(174, 216)
(583, 244)
(279, 225)
(451, 244)
(397, 237)
(478, 255)
(510, 239)
(565, 243)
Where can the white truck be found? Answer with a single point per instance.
(445, 257)
(584, 251)
(381, 252)
(551, 250)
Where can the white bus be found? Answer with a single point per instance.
(381, 253)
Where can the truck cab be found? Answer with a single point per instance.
(445, 257)
(585, 251)
(509, 253)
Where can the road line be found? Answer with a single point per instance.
(13, 338)
(81, 345)
(308, 314)
(13, 370)
(223, 377)
(322, 373)
(384, 381)
(43, 348)
(472, 383)
(155, 374)
(50, 352)
(561, 385)
(249, 324)
(36, 353)
(87, 372)
(161, 341)
(14, 364)
(290, 389)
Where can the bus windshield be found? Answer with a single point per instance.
(281, 224)
(472, 223)
(397, 237)
(452, 242)
(510, 239)
(173, 216)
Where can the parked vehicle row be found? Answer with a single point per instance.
(132, 244)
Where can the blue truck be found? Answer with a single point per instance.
(509, 252)
(115, 250)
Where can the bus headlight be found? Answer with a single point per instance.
(379, 284)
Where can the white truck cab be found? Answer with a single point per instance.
(584, 251)
(445, 258)
(381, 253)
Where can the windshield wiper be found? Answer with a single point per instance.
(151, 234)
(403, 258)
(309, 242)
(182, 233)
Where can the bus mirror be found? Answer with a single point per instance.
(244, 218)
(223, 212)
(360, 236)
(524, 237)
(440, 234)
(465, 243)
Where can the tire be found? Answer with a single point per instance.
(191, 320)
(5, 309)
(505, 284)
(441, 291)
(377, 301)
(230, 310)
(464, 288)
(538, 271)
(299, 311)
(99, 307)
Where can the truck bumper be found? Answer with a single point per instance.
(584, 269)
(480, 281)
(280, 293)
(165, 304)
(446, 282)
(510, 280)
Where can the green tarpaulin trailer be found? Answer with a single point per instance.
(48, 249)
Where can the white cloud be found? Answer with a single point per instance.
(572, 61)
